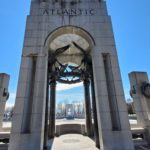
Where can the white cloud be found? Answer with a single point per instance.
(60, 87)
(11, 100)
(63, 87)
(127, 93)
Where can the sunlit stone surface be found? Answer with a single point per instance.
(72, 142)
(52, 25)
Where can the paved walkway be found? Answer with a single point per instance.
(72, 142)
(65, 121)
(142, 148)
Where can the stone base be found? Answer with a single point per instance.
(70, 128)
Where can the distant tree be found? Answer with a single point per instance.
(129, 100)
(130, 108)
(9, 110)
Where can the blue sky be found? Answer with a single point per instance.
(131, 24)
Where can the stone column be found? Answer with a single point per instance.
(141, 102)
(96, 133)
(52, 108)
(46, 116)
(4, 81)
(87, 107)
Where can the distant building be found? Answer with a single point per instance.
(129, 100)
(70, 111)
(75, 110)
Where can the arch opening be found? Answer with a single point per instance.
(69, 62)
(69, 45)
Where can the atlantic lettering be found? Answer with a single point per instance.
(73, 12)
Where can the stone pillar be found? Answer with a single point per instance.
(141, 102)
(109, 93)
(4, 81)
(52, 108)
(19, 138)
(87, 107)
(96, 133)
(46, 116)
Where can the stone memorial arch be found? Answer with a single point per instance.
(69, 41)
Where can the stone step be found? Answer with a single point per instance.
(140, 142)
(142, 148)
(145, 147)
(4, 138)
(139, 137)
(3, 146)
(4, 135)
(70, 128)
(138, 131)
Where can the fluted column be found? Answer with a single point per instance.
(88, 107)
(96, 133)
(52, 108)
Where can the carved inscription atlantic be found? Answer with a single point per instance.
(72, 12)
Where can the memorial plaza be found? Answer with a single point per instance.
(69, 43)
